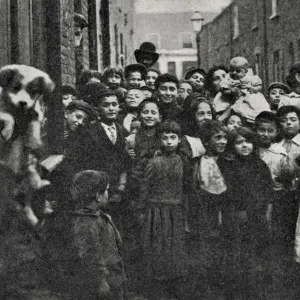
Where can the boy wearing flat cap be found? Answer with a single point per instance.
(277, 95)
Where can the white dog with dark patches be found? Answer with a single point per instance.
(22, 89)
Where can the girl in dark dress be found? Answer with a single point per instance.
(244, 217)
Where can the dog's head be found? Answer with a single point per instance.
(22, 85)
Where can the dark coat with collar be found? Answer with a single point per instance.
(93, 150)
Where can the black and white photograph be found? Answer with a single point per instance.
(150, 150)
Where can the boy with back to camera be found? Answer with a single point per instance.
(99, 270)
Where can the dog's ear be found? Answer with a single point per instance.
(40, 85)
(7, 76)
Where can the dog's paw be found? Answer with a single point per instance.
(8, 128)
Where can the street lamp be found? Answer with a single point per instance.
(197, 21)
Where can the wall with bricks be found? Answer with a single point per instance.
(270, 41)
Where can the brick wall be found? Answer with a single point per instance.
(267, 41)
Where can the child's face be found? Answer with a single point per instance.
(203, 113)
(170, 141)
(114, 80)
(150, 79)
(237, 72)
(242, 146)
(108, 108)
(275, 95)
(102, 199)
(184, 90)
(134, 79)
(234, 122)
(197, 78)
(67, 99)
(217, 143)
(134, 126)
(290, 124)
(266, 133)
(150, 116)
(134, 98)
(75, 119)
(167, 92)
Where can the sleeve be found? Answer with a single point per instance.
(88, 248)
(256, 81)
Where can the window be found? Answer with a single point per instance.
(235, 22)
(122, 49)
(154, 39)
(274, 9)
(186, 40)
(172, 67)
(276, 66)
(255, 16)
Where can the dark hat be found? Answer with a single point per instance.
(146, 49)
(278, 85)
(80, 20)
(81, 105)
(283, 110)
(135, 68)
(90, 92)
(68, 89)
(190, 72)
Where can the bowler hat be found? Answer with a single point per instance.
(146, 49)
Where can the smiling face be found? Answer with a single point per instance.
(150, 79)
(75, 118)
(149, 115)
(290, 125)
(170, 141)
(114, 80)
(108, 108)
(134, 79)
(242, 146)
(133, 98)
(217, 143)
(167, 92)
(198, 78)
(203, 114)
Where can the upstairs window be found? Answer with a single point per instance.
(274, 9)
(186, 40)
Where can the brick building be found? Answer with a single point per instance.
(266, 32)
(41, 33)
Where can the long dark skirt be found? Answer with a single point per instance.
(164, 241)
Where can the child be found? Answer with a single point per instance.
(198, 77)
(277, 94)
(164, 231)
(289, 117)
(233, 121)
(150, 78)
(239, 72)
(134, 97)
(135, 74)
(209, 187)
(97, 263)
(275, 156)
(186, 87)
(244, 216)
(113, 78)
(68, 94)
(166, 86)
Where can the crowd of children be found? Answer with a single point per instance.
(206, 165)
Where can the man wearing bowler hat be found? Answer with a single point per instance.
(146, 55)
